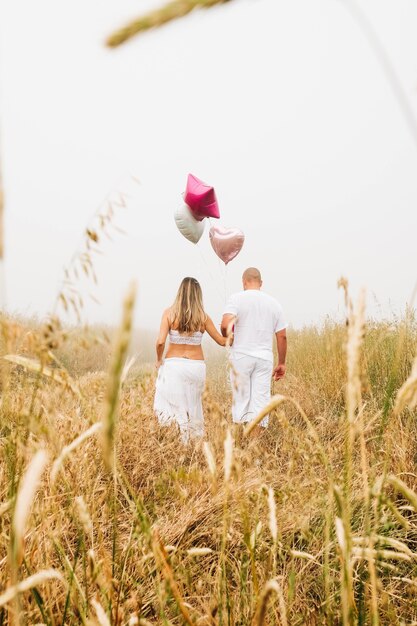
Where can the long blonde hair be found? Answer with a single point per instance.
(187, 313)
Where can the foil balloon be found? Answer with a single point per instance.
(188, 226)
(226, 242)
(201, 198)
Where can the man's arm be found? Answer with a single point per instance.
(279, 370)
(227, 324)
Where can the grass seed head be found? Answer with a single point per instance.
(228, 456)
(29, 583)
(24, 500)
(102, 618)
(211, 462)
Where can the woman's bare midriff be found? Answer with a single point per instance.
(184, 351)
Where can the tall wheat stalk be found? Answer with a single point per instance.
(115, 378)
(356, 326)
(23, 504)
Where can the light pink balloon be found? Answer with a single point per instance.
(201, 198)
(226, 242)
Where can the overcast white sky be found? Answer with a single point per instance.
(280, 105)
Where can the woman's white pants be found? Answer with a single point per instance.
(179, 387)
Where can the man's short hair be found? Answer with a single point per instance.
(252, 275)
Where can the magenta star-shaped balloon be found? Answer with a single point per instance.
(201, 198)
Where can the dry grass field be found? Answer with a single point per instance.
(105, 518)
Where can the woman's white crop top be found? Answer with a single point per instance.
(190, 340)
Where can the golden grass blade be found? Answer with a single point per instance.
(353, 395)
(254, 535)
(272, 586)
(24, 500)
(356, 330)
(6, 506)
(272, 515)
(400, 519)
(400, 486)
(126, 369)
(340, 533)
(199, 551)
(407, 394)
(367, 553)
(84, 516)
(66, 450)
(275, 401)
(71, 574)
(211, 462)
(115, 376)
(409, 581)
(102, 618)
(346, 577)
(398, 545)
(299, 554)
(59, 376)
(171, 11)
(161, 557)
(228, 456)
(29, 583)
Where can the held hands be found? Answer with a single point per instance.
(279, 371)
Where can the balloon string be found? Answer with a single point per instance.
(222, 272)
(212, 278)
(223, 276)
(226, 290)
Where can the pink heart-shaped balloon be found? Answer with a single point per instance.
(226, 242)
(201, 198)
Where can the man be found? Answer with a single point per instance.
(256, 317)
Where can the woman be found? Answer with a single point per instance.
(181, 376)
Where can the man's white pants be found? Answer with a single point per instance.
(251, 384)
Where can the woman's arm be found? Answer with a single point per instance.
(162, 337)
(214, 333)
(227, 323)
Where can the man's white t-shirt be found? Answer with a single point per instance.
(259, 317)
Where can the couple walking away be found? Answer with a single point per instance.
(255, 317)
